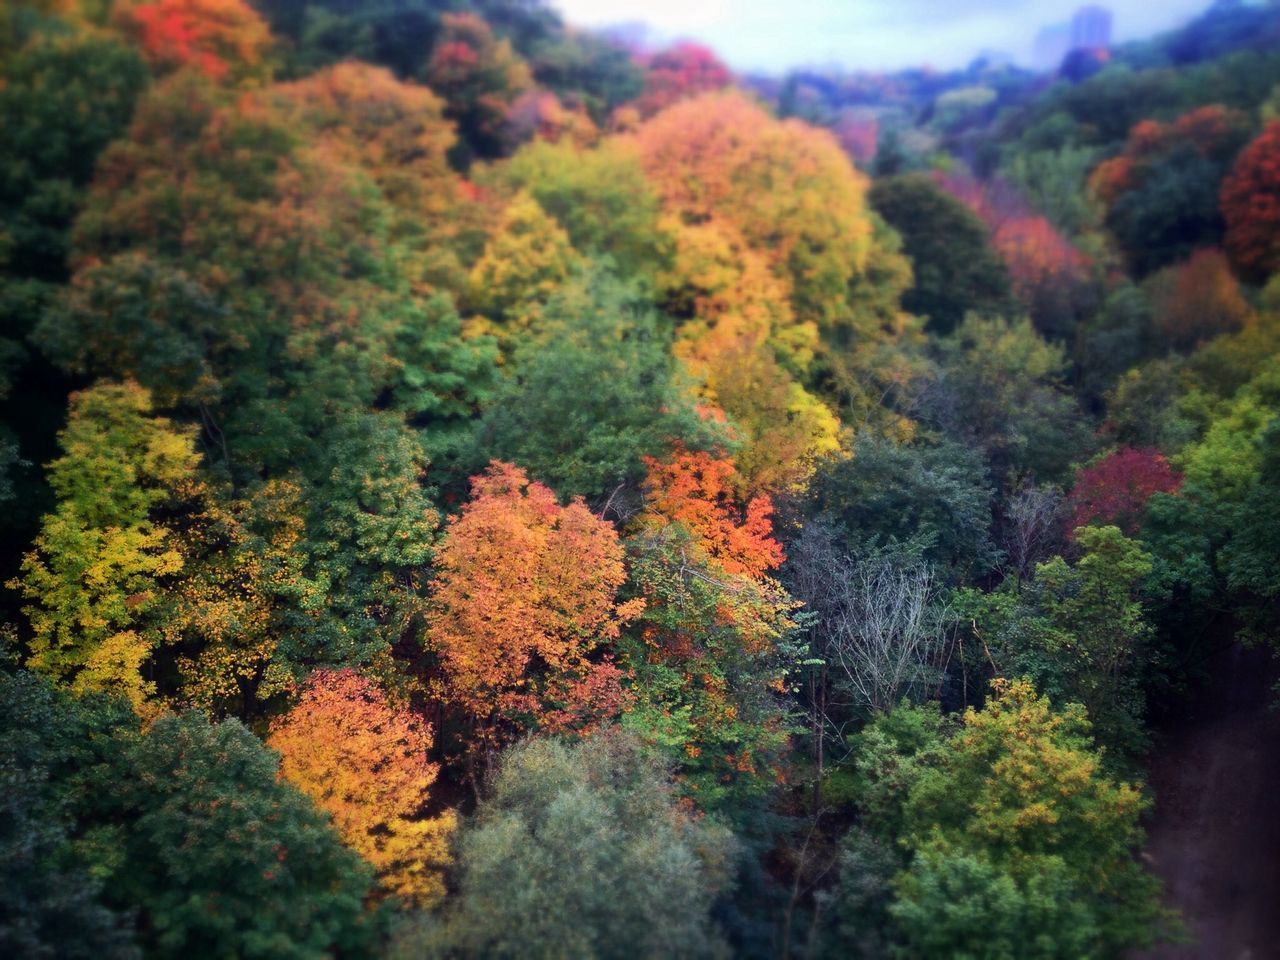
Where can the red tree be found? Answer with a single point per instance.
(1116, 489)
(1250, 201)
(677, 73)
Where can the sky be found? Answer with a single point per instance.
(773, 35)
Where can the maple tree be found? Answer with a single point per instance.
(1117, 488)
(364, 762)
(1250, 200)
(696, 490)
(525, 595)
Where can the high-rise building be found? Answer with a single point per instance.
(1052, 44)
(1091, 28)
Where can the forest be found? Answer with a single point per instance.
(469, 488)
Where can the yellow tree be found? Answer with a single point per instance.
(97, 566)
(526, 260)
(364, 761)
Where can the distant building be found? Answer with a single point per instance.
(1091, 29)
(1052, 44)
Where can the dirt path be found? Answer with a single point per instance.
(1215, 834)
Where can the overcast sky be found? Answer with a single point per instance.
(865, 34)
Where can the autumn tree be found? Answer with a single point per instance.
(1197, 301)
(98, 565)
(1161, 192)
(364, 762)
(1116, 488)
(787, 188)
(712, 650)
(526, 260)
(678, 73)
(1250, 200)
(600, 196)
(224, 39)
(479, 76)
(524, 600)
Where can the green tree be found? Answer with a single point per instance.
(954, 266)
(1021, 846)
(1001, 389)
(582, 850)
(590, 393)
(189, 830)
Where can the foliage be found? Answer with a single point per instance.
(582, 847)
(524, 597)
(1251, 206)
(479, 76)
(931, 499)
(163, 818)
(101, 557)
(224, 39)
(1001, 390)
(678, 73)
(954, 268)
(1023, 846)
(591, 392)
(364, 762)
(1197, 301)
(1115, 489)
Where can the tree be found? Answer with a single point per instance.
(954, 268)
(1116, 489)
(1088, 639)
(1022, 846)
(582, 849)
(1001, 390)
(50, 902)
(591, 392)
(934, 500)
(224, 39)
(788, 189)
(101, 557)
(524, 597)
(696, 490)
(479, 77)
(880, 624)
(711, 653)
(162, 818)
(1161, 192)
(364, 762)
(1250, 200)
(1197, 301)
(677, 73)
(526, 261)
(600, 196)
